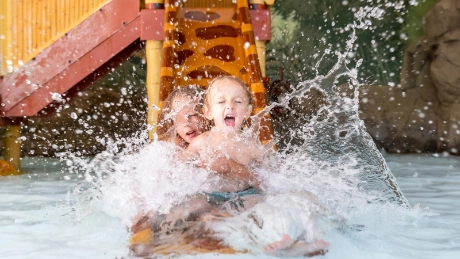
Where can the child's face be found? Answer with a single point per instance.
(228, 104)
(188, 125)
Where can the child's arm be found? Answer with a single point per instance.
(232, 169)
(245, 151)
(220, 164)
(235, 177)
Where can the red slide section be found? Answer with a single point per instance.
(84, 54)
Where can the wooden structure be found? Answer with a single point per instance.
(50, 48)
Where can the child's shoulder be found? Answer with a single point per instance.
(198, 142)
(202, 136)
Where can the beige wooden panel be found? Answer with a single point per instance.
(29, 26)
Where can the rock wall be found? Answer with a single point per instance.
(423, 114)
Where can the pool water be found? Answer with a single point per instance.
(38, 218)
(432, 182)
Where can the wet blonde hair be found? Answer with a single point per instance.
(166, 129)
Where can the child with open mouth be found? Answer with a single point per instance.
(228, 104)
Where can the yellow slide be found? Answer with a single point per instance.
(6, 168)
(208, 40)
(203, 40)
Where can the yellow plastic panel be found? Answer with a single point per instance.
(29, 26)
(207, 4)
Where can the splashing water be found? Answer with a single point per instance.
(141, 177)
(336, 134)
(327, 167)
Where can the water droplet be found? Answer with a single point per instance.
(57, 97)
(73, 115)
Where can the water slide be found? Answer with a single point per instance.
(204, 41)
(198, 40)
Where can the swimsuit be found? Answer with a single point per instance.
(219, 198)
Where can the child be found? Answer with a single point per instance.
(228, 105)
(181, 121)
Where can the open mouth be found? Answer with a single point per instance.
(191, 133)
(229, 120)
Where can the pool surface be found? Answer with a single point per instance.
(38, 219)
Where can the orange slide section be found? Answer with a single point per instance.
(202, 43)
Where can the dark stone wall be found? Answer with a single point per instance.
(82, 126)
